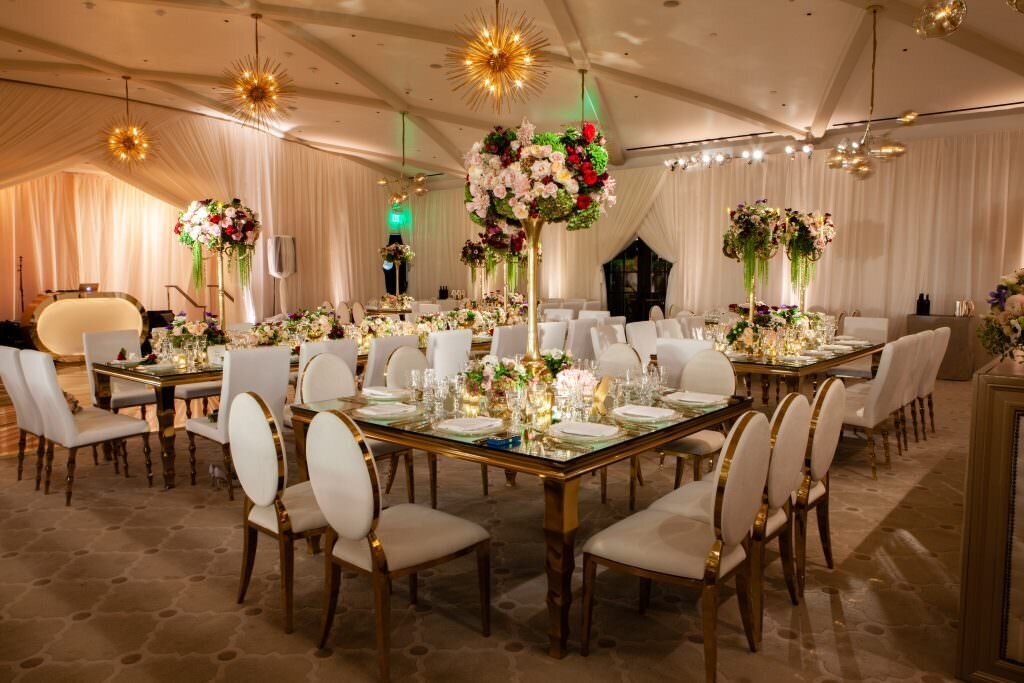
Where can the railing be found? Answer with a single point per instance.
(190, 300)
(227, 294)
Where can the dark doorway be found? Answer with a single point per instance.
(390, 271)
(636, 279)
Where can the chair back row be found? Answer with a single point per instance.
(26, 413)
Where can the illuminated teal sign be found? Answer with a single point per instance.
(399, 217)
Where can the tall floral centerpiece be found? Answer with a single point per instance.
(1002, 329)
(397, 254)
(805, 238)
(753, 238)
(474, 255)
(519, 179)
(228, 229)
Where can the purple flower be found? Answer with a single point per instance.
(998, 297)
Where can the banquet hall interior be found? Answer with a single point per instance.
(511, 340)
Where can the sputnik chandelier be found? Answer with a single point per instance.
(256, 90)
(940, 18)
(127, 139)
(402, 185)
(501, 60)
(857, 157)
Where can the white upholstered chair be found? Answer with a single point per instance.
(381, 349)
(655, 314)
(669, 328)
(404, 359)
(618, 359)
(921, 364)
(384, 544)
(874, 330)
(700, 554)
(345, 349)
(927, 387)
(575, 305)
(448, 351)
(869, 406)
(26, 413)
(343, 313)
(616, 321)
(552, 335)
(559, 314)
(603, 336)
(426, 309)
(358, 312)
(509, 341)
(103, 347)
(272, 507)
(813, 494)
(578, 341)
(591, 305)
(674, 354)
(594, 315)
(75, 430)
(643, 336)
(263, 370)
(672, 311)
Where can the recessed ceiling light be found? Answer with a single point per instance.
(160, 12)
(435, 66)
(671, 3)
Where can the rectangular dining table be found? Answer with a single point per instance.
(792, 372)
(164, 381)
(560, 465)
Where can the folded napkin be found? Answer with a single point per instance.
(843, 337)
(644, 412)
(588, 430)
(469, 425)
(798, 359)
(384, 392)
(835, 347)
(386, 410)
(696, 398)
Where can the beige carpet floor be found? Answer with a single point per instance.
(138, 584)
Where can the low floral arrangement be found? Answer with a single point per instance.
(209, 328)
(227, 227)
(397, 253)
(397, 302)
(493, 374)
(1002, 329)
(269, 334)
(752, 238)
(315, 324)
(374, 326)
(573, 380)
(556, 360)
(805, 238)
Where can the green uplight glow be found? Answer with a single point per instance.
(399, 217)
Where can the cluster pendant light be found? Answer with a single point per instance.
(257, 90)
(858, 157)
(501, 60)
(939, 18)
(402, 185)
(127, 140)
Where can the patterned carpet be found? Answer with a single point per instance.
(138, 584)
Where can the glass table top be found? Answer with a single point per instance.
(544, 445)
(805, 358)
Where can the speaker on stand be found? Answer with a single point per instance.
(281, 261)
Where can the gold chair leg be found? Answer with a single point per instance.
(698, 468)
(604, 485)
(191, 454)
(432, 472)
(95, 456)
(801, 548)
(870, 434)
(22, 442)
(72, 452)
(823, 529)
(483, 575)
(924, 423)
(287, 552)
(913, 417)
(147, 456)
(678, 481)
(40, 454)
(589, 576)
(250, 537)
(392, 471)
(382, 601)
(885, 446)
(49, 468)
(414, 589)
(632, 482)
(206, 405)
(903, 420)
(188, 409)
(788, 562)
(123, 446)
(748, 604)
(229, 470)
(484, 482)
(896, 433)
(644, 598)
(709, 616)
(332, 586)
(410, 478)
(931, 412)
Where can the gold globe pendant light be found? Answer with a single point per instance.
(127, 139)
(256, 90)
(857, 158)
(501, 61)
(402, 185)
(940, 18)
(1016, 4)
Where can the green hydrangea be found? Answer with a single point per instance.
(553, 139)
(557, 208)
(502, 207)
(598, 157)
(583, 219)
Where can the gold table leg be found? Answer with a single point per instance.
(561, 519)
(165, 426)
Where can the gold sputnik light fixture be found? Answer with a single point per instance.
(257, 90)
(1016, 4)
(402, 185)
(126, 138)
(857, 157)
(501, 61)
(940, 18)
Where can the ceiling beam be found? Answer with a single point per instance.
(965, 38)
(841, 76)
(431, 166)
(566, 27)
(367, 80)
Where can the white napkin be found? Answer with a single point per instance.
(696, 397)
(470, 425)
(835, 347)
(817, 353)
(386, 410)
(843, 337)
(384, 392)
(798, 359)
(156, 367)
(644, 412)
(587, 430)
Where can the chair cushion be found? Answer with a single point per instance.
(693, 500)
(94, 426)
(202, 426)
(662, 542)
(704, 442)
(776, 520)
(124, 394)
(301, 507)
(197, 390)
(854, 410)
(858, 368)
(412, 535)
(816, 492)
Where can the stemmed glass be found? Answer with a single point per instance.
(440, 396)
(416, 384)
(458, 386)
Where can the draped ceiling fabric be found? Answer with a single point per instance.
(330, 204)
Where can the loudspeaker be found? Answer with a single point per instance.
(281, 259)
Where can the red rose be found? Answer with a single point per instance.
(589, 132)
(177, 229)
(574, 158)
(215, 219)
(590, 178)
(230, 230)
(583, 201)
